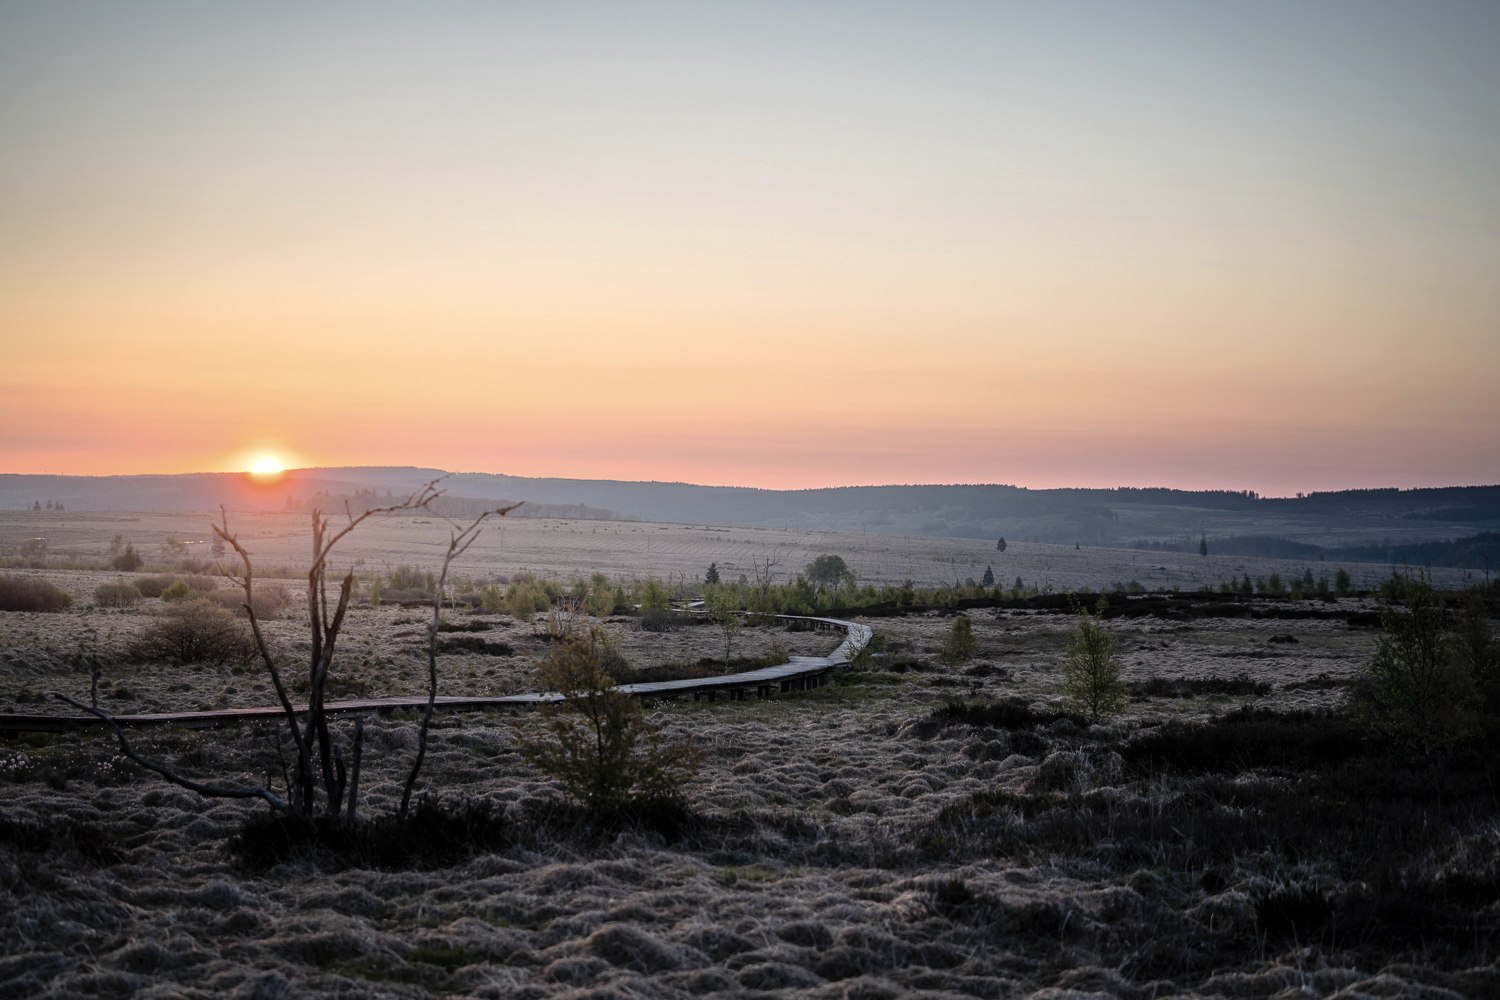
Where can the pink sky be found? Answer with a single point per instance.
(1081, 245)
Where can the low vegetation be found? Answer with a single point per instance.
(118, 594)
(959, 645)
(195, 632)
(598, 745)
(1256, 818)
(1091, 672)
(28, 593)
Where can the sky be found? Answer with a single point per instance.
(781, 244)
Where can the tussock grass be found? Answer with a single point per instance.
(851, 841)
(1239, 686)
(1008, 713)
(1249, 738)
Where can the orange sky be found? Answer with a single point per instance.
(1245, 248)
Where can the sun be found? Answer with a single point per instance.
(267, 465)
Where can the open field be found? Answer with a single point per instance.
(859, 841)
(566, 549)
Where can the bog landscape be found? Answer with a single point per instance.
(1052, 769)
(614, 499)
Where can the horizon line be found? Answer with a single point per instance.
(1256, 494)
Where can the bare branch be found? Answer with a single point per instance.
(210, 791)
(459, 540)
(246, 584)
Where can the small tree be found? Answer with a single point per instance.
(764, 566)
(600, 747)
(652, 594)
(1000, 546)
(520, 600)
(1203, 546)
(712, 576)
(127, 561)
(1343, 586)
(959, 645)
(1419, 690)
(989, 577)
(829, 571)
(1091, 672)
(600, 601)
(1476, 650)
(725, 608)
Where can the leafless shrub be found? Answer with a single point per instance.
(195, 632)
(324, 781)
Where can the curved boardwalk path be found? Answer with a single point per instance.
(800, 673)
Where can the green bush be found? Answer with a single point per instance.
(959, 644)
(524, 599)
(195, 632)
(29, 593)
(491, 599)
(127, 561)
(600, 747)
(178, 591)
(116, 595)
(600, 600)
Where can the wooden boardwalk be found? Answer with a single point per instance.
(799, 673)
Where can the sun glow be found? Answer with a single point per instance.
(266, 465)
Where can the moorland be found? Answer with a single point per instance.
(932, 824)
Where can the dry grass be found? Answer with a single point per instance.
(847, 845)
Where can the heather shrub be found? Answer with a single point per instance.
(435, 834)
(29, 593)
(271, 599)
(409, 578)
(152, 586)
(195, 632)
(116, 595)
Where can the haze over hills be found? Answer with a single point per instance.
(1375, 524)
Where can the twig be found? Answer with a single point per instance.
(210, 791)
(459, 541)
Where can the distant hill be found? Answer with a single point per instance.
(1367, 520)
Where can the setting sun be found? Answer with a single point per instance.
(266, 466)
